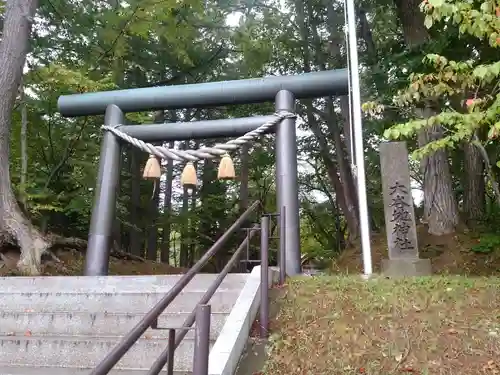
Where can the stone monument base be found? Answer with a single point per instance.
(406, 267)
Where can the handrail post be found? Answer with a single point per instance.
(171, 351)
(201, 340)
(282, 257)
(264, 276)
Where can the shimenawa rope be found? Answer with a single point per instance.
(219, 150)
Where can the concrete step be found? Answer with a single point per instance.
(67, 325)
(93, 324)
(114, 284)
(75, 352)
(28, 370)
(116, 302)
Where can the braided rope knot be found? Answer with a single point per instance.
(218, 150)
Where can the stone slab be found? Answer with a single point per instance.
(78, 352)
(117, 302)
(406, 267)
(94, 324)
(39, 370)
(398, 201)
(114, 284)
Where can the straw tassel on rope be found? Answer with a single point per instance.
(152, 170)
(226, 168)
(188, 176)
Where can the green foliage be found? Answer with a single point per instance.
(487, 244)
(89, 46)
(478, 18)
(467, 90)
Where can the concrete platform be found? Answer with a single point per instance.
(406, 267)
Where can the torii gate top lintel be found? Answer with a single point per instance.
(244, 91)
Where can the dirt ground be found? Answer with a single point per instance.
(255, 355)
(449, 255)
(71, 263)
(341, 325)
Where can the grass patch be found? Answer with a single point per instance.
(344, 325)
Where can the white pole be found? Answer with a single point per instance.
(358, 137)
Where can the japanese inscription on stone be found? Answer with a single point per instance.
(398, 201)
(401, 217)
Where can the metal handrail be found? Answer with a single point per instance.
(151, 317)
(164, 356)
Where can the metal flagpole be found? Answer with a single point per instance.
(358, 137)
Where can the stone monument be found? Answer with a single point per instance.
(399, 214)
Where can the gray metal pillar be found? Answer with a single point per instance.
(201, 340)
(264, 276)
(103, 212)
(287, 193)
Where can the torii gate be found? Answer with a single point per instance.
(284, 90)
(114, 104)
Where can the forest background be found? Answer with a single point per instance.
(430, 76)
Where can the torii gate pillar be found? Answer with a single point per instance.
(287, 192)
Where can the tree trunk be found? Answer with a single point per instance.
(365, 33)
(348, 136)
(440, 206)
(24, 146)
(152, 223)
(342, 149)
(167, 210)
(185, 230)
(345, 171)
(489, 169)
(344, 186)
(412, 22)
(206, 223)
(349, 214)
(136, 247)
(193, 248)
(474, 186)
(13, 49)
(125, 188)
(167, 200)
(244, 175)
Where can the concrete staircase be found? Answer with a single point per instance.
(66, 325)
